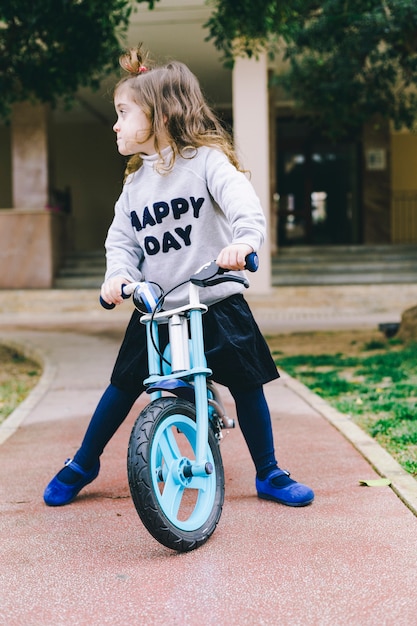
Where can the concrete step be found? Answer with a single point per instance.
(82, 270)
(364, 249)
(79, 282)
(345, 265)
(339, 265)
(293, 279)
(94, 259)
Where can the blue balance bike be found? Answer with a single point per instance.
(175, 469)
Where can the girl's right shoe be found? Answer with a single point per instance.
(58, 493)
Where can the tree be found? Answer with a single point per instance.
(349, 60)
(50, 48)
(245, 27)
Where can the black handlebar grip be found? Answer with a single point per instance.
(252, 262)
(110, 305)
(106, 305)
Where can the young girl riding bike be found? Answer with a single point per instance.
(185, 200)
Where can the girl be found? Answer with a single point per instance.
(185, 201)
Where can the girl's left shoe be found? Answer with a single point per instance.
(279, 487)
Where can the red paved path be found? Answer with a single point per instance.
(350, 558)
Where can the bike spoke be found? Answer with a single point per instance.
(168, 446)
(199, 483)
(171, 496)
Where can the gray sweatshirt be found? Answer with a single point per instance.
(167, 225)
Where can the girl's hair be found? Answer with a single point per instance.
(171, 97)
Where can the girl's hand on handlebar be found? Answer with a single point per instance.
(233, 257)
(111, 290)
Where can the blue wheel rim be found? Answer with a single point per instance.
(165, 456)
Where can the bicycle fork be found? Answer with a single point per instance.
(183, 368)
(202, 466)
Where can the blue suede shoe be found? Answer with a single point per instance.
(58, 493)
(284, 489)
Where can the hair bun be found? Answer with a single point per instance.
(132, 61)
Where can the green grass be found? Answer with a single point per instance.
(18, 375)
(379, 391)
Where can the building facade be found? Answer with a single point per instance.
(60, 172)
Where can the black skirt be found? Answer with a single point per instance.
(235, 349)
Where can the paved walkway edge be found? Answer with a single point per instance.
(404, 485)
(9, 426)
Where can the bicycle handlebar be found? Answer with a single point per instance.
(110, 305)
(209, 274)
(252, 262)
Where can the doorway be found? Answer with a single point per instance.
(317, 188)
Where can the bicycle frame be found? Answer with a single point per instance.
(185, 339)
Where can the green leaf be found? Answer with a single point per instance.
(378, 482)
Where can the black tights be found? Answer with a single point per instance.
(255, 423)
(115, 404)
(110, 413)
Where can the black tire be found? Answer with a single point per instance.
(152, 452)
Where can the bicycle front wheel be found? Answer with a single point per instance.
(179, 511)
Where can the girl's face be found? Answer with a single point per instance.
(132, 125)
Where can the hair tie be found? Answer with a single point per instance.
(132, 69)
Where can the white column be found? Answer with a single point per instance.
(251, 133)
